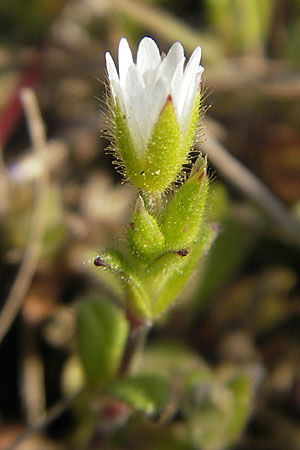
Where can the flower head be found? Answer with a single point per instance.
(142, 89)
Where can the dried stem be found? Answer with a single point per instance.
(4, 186)
(34, 242)
(240, 177)
(135, 343)
(57, 410)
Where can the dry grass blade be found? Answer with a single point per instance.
(168, 26)
(240, 177)
(57, 410)
(33, 247)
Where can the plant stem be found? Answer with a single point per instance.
(135, 343)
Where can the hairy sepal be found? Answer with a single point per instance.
(145, 239)
(183, 216)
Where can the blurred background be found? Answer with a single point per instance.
(242, 311)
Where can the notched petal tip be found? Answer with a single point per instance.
(197, 53)
(124, 59)
(111, 67)
(147, 54)
(177, 49)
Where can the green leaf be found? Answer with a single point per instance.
(172, 358)
(148, 393)
(167, 275)
(102, 332)
(144, 236)
(241, 387)
(184, 213)
(217, 409)
(162, 269)
(136, 297)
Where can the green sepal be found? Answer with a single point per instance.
(145, 392)
(127, 155)
(102, 332)
(167, 275)
(145, 238)
(184, 213)
(164, 157)
(136, 298)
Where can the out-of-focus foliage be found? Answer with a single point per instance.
(244, 26)
(148, 393)
(102, 333)
(27, 20)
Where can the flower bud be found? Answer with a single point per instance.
(154, 111)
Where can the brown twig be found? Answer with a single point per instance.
(32, 377)
(247, 183)
(135, 343)
(34, 243)
(57, 410)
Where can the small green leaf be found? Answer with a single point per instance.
(136, 298)
(161, 271)
(174, 282)
(241, 387)
(144, 236)
(148, 393)
(172, 358)
(184, 213)
(165, 276)
(102, 331)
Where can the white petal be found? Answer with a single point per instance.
(137, 108)
(112, 72)
(157, 100)
(148, 61)
(114, 82)
(124, 60)
(173, 58)
(176, 86)
(148, 55)
(190, 85)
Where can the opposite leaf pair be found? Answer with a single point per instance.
(164, 247)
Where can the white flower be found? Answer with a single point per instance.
(143, 88)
